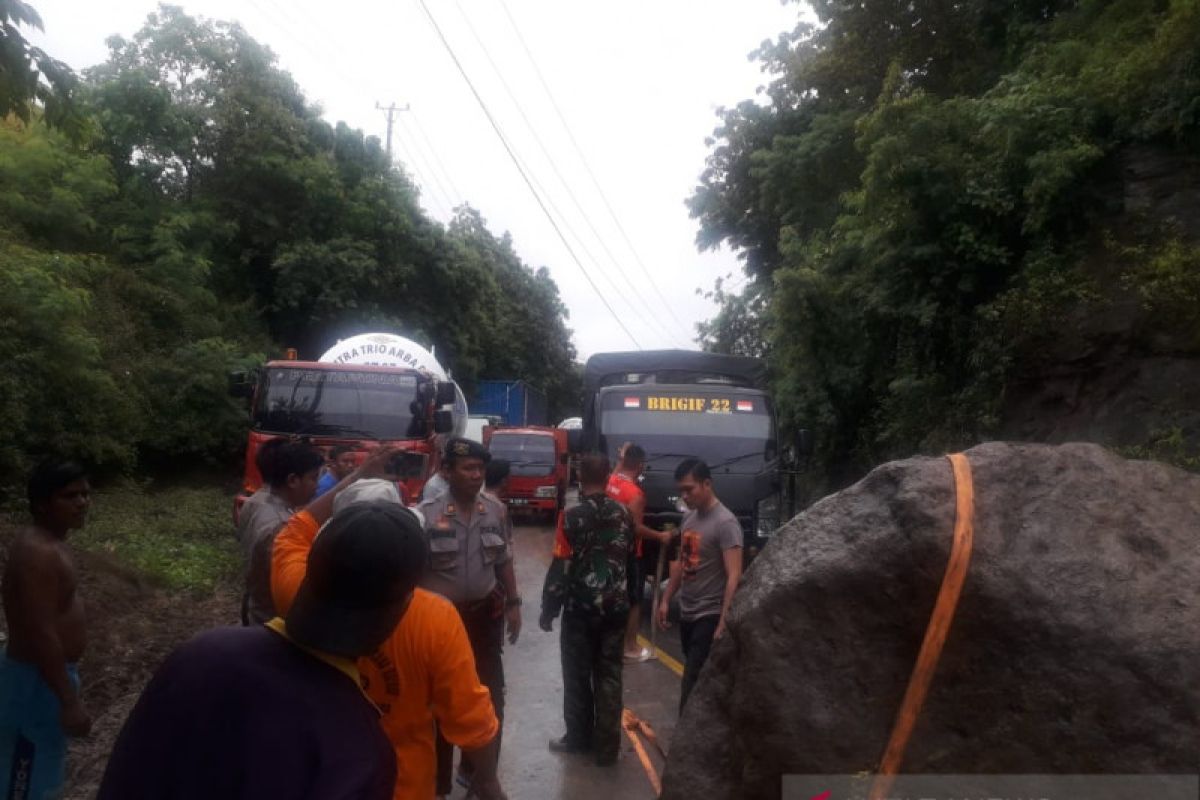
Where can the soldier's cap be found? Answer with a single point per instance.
(466, 448)
(369, 555)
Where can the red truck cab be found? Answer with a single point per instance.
(539, 467)
(361, 406)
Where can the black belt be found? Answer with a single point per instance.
(487, 602)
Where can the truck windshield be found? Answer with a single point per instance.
(529, 454)
(721, 428)
(366, 404)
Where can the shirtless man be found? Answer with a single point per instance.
(39, 687)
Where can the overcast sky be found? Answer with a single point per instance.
(637, 81)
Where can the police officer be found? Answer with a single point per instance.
(470, 557)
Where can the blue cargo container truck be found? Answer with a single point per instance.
(517, 403)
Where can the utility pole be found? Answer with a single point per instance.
(390, 110)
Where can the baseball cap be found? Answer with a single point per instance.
(366, 559)
(367, 490)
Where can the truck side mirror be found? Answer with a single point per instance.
(447, 393)
(443, 421)
(574, 440)
(241, 384)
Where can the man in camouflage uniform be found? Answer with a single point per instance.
(589, 582)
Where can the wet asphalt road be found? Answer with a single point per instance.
(533, 716)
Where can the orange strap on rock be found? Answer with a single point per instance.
(935, 633)
(632, 725)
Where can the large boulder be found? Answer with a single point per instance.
(1075, 649)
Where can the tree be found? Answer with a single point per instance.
(27, 74)
(211, 216)
(915, 198)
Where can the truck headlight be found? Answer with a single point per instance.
(766, 516)
(546, 491)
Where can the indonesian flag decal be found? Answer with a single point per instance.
(633, 402)
(745, 405)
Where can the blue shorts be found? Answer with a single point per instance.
(33, 747)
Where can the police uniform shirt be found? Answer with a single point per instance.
(465, 551)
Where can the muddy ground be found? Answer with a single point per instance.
(132, 625)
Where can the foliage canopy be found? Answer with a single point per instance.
(208, 218)
(919, 197)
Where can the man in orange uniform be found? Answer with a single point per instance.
(423, 672)
(623, 487)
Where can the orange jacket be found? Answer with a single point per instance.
(424, 671)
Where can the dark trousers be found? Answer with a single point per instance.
(592, 649)
(697, 638)
(484, 622)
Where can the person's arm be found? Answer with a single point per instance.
(507, 574)
(39, 588)
(461, 704)
(675, 575)
(555, 587)
(373, 466)
(485, 784)
(289, 552)
(637, 507)
(289, 558)
(733, 575)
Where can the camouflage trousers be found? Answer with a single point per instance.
(592, 650)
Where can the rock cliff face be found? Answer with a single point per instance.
(1118, 372)
(1076, 647)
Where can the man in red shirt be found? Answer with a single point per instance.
(623, 487)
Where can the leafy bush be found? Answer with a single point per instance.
(182, 537)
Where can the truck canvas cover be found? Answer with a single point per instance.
(671, 366)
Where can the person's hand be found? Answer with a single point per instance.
(74, 718)
(488, 790)
(512, 621)
(375, 465)
(720, 629)
(546, 623)
(664, 611)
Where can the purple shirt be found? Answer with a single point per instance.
(241, 713)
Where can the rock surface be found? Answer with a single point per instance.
(1075, 649)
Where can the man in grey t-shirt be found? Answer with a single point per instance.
(707, 571)
(290, 471)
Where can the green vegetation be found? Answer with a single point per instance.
(182, 537)
(923, 199)
(200, 217)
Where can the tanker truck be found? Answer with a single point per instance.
(368, 390)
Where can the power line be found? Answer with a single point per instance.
(508, 148)
(390, 111)
(587, 166)
(421, 183)
(442, 206)
(280, 17)
(429, 170)
(429, 144)
(633, 290)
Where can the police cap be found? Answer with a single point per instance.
(465, 448)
